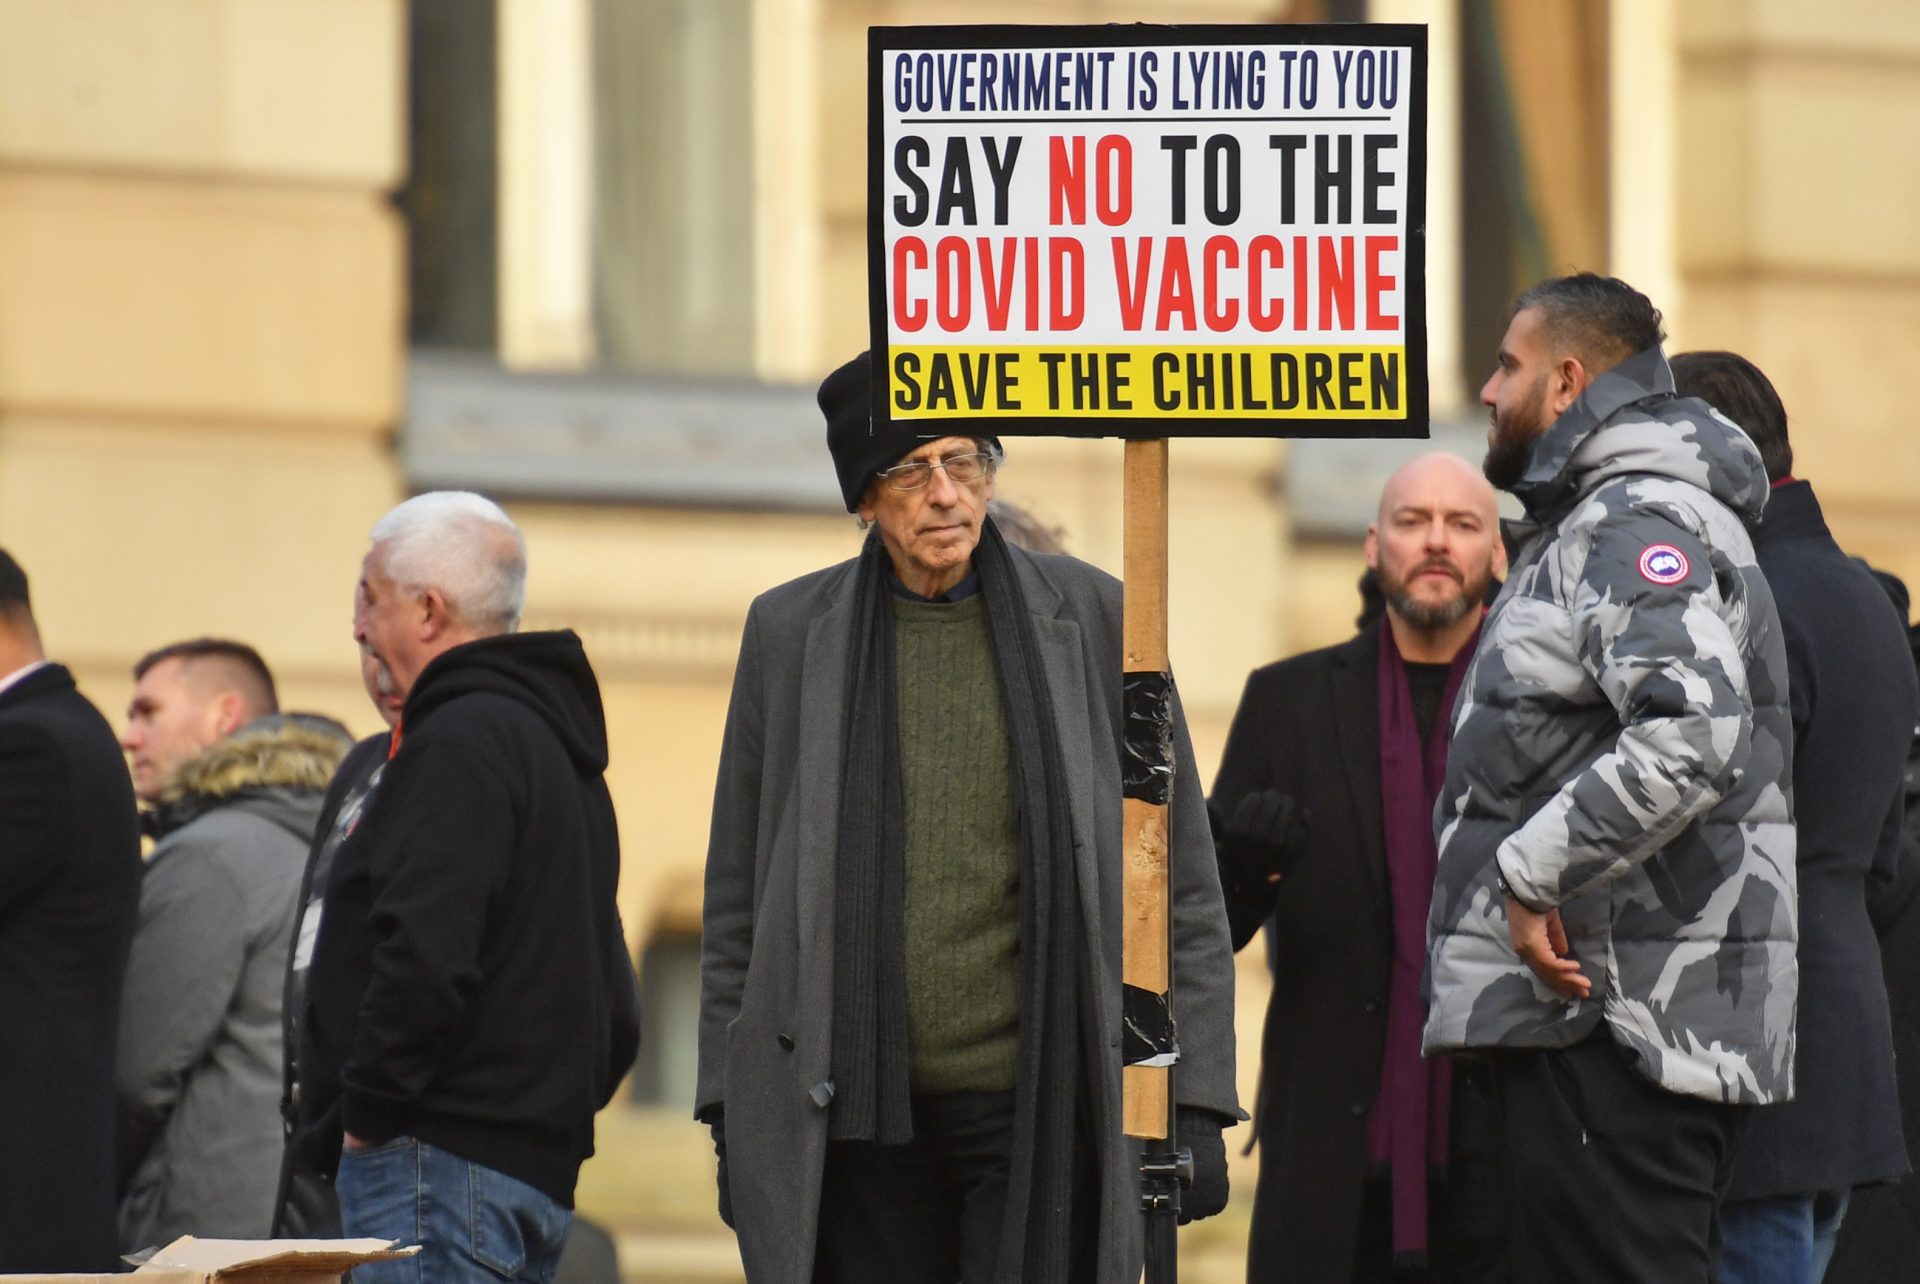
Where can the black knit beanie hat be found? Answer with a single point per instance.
(846, 399)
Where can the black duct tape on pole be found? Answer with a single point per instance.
(1147, 1035)
(1146, 757)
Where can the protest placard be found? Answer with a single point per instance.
(1149, 231)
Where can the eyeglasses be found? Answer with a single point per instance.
(961, 470)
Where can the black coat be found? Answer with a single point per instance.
(1880, 1238)
(305, 1206)
(1851, 682)
(69, 895)
(1309, 727)
(471, 986)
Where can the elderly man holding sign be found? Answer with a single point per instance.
(910, 1044)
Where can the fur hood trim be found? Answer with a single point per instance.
(272, 752)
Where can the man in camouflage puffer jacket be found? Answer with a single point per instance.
(1614, 912)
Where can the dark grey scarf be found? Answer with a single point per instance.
(870, 1056)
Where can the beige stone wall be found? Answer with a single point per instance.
(200, 324)
(201, 337)
(1798, 242)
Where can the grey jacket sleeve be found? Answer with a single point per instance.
(1661, 651)
(726, 938)
(1202, 947)
(187, 957)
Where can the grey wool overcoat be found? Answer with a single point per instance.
(766, 1002)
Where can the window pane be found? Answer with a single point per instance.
(665, 1073)
(673, 201)
(449, 201)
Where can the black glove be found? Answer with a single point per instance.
(1199, 1131)
(717, 1123)
(1259, 839)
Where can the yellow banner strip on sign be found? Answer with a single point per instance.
(1148, 382)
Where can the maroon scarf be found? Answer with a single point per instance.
(1408, 1128)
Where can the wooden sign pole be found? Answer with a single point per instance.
(1146, 937)
(1146, 934)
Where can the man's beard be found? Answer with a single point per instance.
(1510, 448)
(1508, 455)
(1431, 617)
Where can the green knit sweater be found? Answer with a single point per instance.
(963, 851)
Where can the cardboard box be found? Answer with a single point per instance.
(246, 1261)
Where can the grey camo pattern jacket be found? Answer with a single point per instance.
(1622, 749)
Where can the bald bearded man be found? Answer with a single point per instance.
(1373, 1163)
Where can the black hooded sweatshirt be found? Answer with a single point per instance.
(471, 986)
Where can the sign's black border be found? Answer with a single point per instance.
(1410, 36)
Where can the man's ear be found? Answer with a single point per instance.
(435, 617)
(1372, 546)
(1499, 553)
(229, 714)
(1570, 379)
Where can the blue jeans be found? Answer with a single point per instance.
(472, 1223)
(1779, 1239)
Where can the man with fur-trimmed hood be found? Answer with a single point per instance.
(232, 789)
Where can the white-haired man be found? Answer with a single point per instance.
(471, 1003)
(911, 1002)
